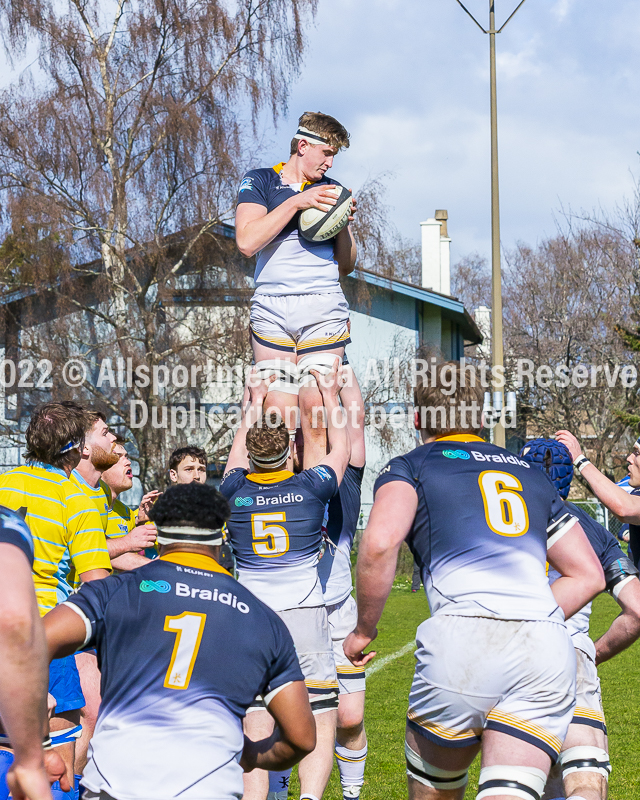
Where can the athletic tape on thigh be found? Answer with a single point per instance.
(585, 759)
(286, 373)
(434, 777)
(319, 362)
(325, 702)
(524, 782)
(65, 736)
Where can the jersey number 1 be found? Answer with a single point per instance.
(504, 509)
(189, 627)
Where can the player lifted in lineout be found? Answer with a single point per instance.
(183, 650)
(299, 315)
(495, 664)
(584, 766)
(275, 530)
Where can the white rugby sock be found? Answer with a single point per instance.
(279, 785)
(308, 797)
(351, 765)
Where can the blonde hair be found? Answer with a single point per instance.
(328, 127)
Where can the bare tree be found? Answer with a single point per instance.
(119, 157)
(563, 302)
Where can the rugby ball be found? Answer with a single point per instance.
(318, 226)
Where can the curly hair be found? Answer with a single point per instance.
(193, 504)
(268, 437)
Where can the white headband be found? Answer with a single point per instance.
(310, 136)
(274, 461)
(187, 534)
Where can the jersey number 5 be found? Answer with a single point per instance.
(189, 627)
(504, 509)
(269, 540)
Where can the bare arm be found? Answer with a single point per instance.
(139, 538)
(353, 405)
(294, 736)
(337, 435)
(625, 628)
(582, 576)
(65, 631)
(345, 251)
(94, 575)
(25, 674)
(255, 228)
(624, 505)
(390, 521)
(129, 561)
(238, 455)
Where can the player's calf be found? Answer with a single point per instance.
(585, 772)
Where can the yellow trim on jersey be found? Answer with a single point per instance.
(195, 560)
(350, 670)
(450, 734)
(278, 169)
(270, 477)
(526, 727)
(588, 713)
(460, 437)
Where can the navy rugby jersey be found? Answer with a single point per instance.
(482, 525)
(14, 530)
(608, 551)
(275, 529)
(289, 264)
(183, 651)
(342, 520)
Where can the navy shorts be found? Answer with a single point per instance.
(64, 684)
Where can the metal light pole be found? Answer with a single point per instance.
(497, 347)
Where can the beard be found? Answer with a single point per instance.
(101, 459)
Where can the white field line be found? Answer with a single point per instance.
(378, 665)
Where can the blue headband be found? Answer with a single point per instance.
(69, 446)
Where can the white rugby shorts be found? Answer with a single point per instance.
(476, 673)
(300, 323)
(342, 620)
(309, 629)
(588, 710)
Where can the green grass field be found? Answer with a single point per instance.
(388, 690)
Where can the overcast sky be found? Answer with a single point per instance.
(410, 81)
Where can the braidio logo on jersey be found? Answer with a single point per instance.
(228, 599)
(155, 586)
(275, 501)
(243, 501)
(456, 454)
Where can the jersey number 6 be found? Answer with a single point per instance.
(504, 509)
(269, 540)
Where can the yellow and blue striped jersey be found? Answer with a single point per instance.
(121, 520)
(100, 496)
(66, 528)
